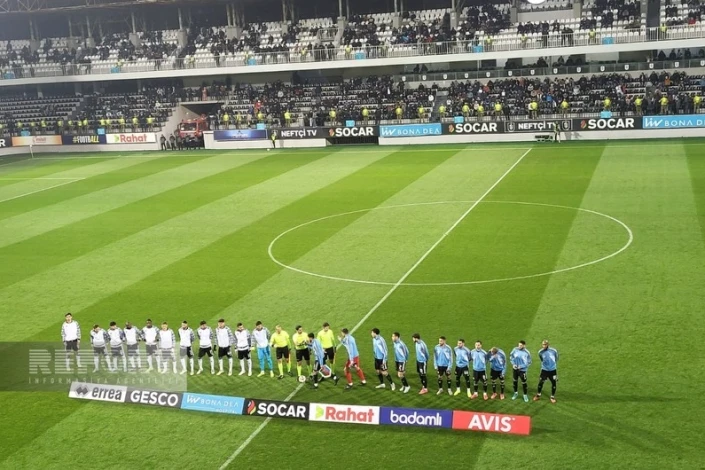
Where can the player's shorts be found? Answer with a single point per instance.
(222, 352)
(549, 375)
(519, 374)
(99, 350)
(401, 366)
(316, 367)
(282, 353)
(185, 351)
(479, 375)
(422, 367)
(205, 352)
(303, 354)
(380, 364)
(167, 353)
(243, 354)
(329, 354)
(151, 349)
(462, 371)
(116, 351)
(353, 363)
(443, 370)
(496, 374)
(71, 345)
(133, 350)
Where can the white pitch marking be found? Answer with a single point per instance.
(43, 189)
(630, 239)
(39, 178)
(374, 308)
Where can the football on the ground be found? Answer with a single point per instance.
(302, 378)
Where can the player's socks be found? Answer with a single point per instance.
(288, 367)
(159, 362)
(107, 361)
(381, 378)
(96, 363)
(501, 387)
(540, 387)
(173, 366)
(249, 367)
(124, 364)
(298, 369)
(348, 376)
(139, 362)
(242, 367)
(212, 361)
(553, 389)
(149, 362)
(448, 382)
(190, 361)
(78, 360)
(516, 386)
(494, 387)
(183, 365)
(525, 387)
(230, 366)
(390, 380)
(404, 382)
(475, 387)
(280, 366)
(424, 381)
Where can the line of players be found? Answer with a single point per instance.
(161, 343)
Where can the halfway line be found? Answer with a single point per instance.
(401, 280)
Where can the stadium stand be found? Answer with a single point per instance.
(30, 112)
(688, 12)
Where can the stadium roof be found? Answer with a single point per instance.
(30, 6)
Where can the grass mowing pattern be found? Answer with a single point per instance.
(196, 249)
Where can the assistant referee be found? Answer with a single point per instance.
(282, 344)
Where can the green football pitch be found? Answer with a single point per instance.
(598, 247)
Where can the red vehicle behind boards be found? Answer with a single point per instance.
(192, 127)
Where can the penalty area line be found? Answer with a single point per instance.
(379, 303)
(43, 189)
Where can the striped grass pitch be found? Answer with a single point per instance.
(187, 236)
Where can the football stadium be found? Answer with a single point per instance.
(376, 234)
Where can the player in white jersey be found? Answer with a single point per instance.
(205, 346)
(224, 339)
(243, 343)
(132, 338)
(99, 340)
(71, 337)
(260, 340)
(150, 333)
(167, 341)
(117, 338)
(186, 338)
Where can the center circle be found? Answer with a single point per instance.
(619, 223)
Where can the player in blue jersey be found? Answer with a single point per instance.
(353, 362)
(498, 369)
(443, 362)
(549, 363)
(462, 366)
(479, 369)
(521, 360)
(401, 356)
(319, 359)
(422, 358)
(381, 354)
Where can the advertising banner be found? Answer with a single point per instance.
(155, 398)
(132, 138)
(537, 126)
(99, 392)
(363, 131)
(212, 403)
(5, 142)
(296, 133)
(344, 413)
(411, 130)
(491, 422)
(476, 127)
(239, 134)
(683, 121)
(600, 124)
(276, 409)
(26, 141)
(416, 417)
(83, 139)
